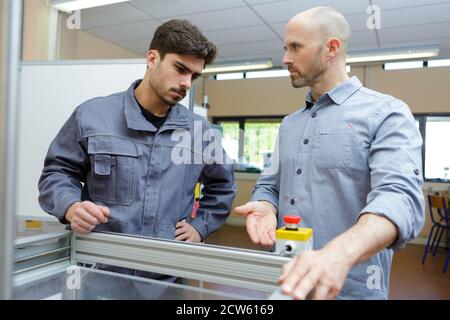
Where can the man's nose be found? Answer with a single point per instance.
(186, 83)
(286, 59)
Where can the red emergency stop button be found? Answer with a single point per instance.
(292, 219)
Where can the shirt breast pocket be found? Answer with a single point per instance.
(333, 148)
(113, 175)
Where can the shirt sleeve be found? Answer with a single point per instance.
(395, 162)
(65, 167)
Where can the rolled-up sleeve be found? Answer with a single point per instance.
(395, 162)
(65, 168)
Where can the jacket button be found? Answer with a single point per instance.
(306, 141)
(416, 172)
(299, 171)
(292, 201)
(314, 114)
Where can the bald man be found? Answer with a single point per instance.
(349, 164)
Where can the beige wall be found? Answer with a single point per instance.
(424, 90)
(73, 44)
(267, 96)
(272, 96)
(244, 192)
(36, 15)
(76, 44)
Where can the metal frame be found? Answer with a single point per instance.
(40, 256)
(44, 255)
(237, 267)
(7, 209)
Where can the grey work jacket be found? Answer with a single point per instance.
(108, 153)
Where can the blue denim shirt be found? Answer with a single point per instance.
(108, 153)
(354, 151)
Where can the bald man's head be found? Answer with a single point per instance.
(323, 23)
(315, 44)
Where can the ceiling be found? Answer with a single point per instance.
(253, 29)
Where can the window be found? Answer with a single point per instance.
(249, 140)
(435, 130)
(230, 138)
(259, 140)
(437, 151)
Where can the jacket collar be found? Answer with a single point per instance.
(135, 120)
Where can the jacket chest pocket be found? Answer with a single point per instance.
(333, 148)
(113, 175)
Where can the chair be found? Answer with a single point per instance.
(439, 212)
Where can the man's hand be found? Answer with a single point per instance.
(261, 221)
(186, 232)
(322, 273)
(84, 216)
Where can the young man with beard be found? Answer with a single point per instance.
(111, 167)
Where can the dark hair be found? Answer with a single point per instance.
(182, 37)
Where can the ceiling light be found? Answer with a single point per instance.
(230, 76)
(403, 65)
(267, 74)
(274, 73)
(392, 54)
(73, 5)
(439, 63)
(238, 66)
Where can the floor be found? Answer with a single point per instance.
(409, 278)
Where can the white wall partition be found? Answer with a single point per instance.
(49, 93)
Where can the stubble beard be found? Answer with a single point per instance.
(307, 80)
(154, 84)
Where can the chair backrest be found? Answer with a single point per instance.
(440, 203)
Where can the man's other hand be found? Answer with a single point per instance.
(84, 216)
(261, 221)
(186, 232)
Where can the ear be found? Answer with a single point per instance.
(333, 45)
(152, 59)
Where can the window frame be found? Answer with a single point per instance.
(421, 117)
(241, 120)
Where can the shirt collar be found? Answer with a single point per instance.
(338, 94)
(309, 101)
(136, 120)
(345, 90)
